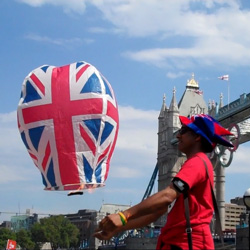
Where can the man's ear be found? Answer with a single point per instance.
(198, 138)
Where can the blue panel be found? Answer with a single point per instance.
(94, 126)
(24, 140)
(31, 93)
(44, 68)
(98, 172)
(92, 85)
(88, 171)
(107, 131)
(51, 174)
(78, 64)
(44, 181)
(35, 135)
(107, 89)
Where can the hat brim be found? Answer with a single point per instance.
(220, 140)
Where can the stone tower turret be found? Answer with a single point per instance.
(168, 155)
(192, 101)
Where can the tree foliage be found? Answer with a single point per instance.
(37, 235)
(57, 230)
(6, 234)
(23, 238)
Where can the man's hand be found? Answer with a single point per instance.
(108, 227)
(101, 235)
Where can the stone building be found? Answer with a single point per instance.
(6, 224)
(86, 221)
(233, 215)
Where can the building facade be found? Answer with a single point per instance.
(25, 221)
(6, 224)
(233, 215)
(87, 220)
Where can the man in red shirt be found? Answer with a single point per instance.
(193, 175)
(197, 136)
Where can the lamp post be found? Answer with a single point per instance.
(246, 199)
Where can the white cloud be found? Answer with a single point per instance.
(8, 118)
(171, 18)
(13, 154)
(207, 51)
(9, 134)
(10, 174)
(138, 129)
(240, 163)
(173, 75)
(124, 172)
(77, 6)
(215, 31)
(70, 43)
(121, 190)
(98, 30)
(127, 113)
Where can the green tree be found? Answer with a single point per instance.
(38, 235)
(57, 230)
(24, 239)
(6, 234)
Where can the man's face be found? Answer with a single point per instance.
(187, 139)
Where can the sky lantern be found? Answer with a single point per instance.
(68, 121)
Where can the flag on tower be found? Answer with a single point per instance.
(225, 77)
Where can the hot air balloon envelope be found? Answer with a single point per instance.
(68, 121)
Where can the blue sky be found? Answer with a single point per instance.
(144, 49)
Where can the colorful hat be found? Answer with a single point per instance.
(207, 127)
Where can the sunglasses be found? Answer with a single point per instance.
(184, 130)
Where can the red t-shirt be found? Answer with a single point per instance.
(193, 173)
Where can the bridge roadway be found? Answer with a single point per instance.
(235, 113)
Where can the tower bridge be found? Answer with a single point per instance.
(236, 112)
(234, 116)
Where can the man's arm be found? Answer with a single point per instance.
(139, 215)
(154, 203)
(132, 224)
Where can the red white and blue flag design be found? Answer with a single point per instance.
(68, 121)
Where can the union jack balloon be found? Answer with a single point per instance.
(68, 121)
